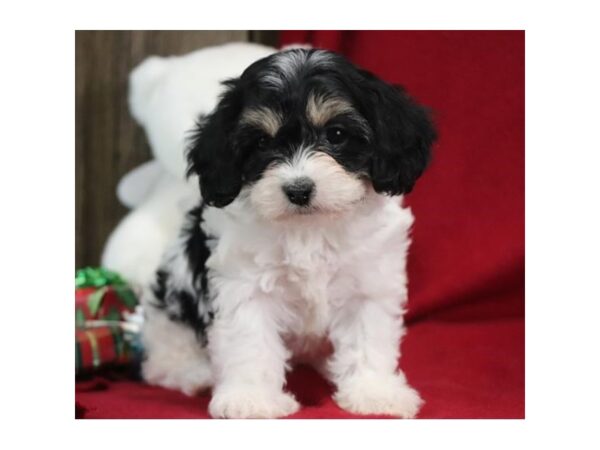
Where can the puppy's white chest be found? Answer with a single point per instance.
(309, 267)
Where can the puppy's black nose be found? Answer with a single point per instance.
(300, 191)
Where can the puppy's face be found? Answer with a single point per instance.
(306, 132)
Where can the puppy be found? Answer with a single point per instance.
(297, 251)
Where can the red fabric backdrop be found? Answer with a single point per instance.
(465, 347)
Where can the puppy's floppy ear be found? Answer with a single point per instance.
(403, 135)
(213, 154)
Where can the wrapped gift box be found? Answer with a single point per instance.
(107, 320)
(101, 295)
(102, 346)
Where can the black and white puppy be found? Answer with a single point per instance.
(298, 249)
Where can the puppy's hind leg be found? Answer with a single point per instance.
(175, 358)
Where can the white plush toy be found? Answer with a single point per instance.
(166, 97)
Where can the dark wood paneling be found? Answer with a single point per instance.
(266, 37)
(108, 142)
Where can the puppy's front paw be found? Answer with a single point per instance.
(251, 403)
(373, 394)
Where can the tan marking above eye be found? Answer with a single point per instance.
(263, 118)
(321, 109)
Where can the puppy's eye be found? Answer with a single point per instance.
(336, 135)
(262, 142)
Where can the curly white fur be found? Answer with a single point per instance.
(284, 288)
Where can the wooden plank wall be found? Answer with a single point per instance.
(108, 141)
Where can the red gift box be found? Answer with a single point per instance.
(101, 346)
(105, 303)
(102, 334)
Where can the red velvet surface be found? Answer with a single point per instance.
(464, 350)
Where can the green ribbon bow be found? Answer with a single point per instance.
(104, 279)
(97, 277)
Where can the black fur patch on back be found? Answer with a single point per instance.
(196, 247)
(185, 297)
